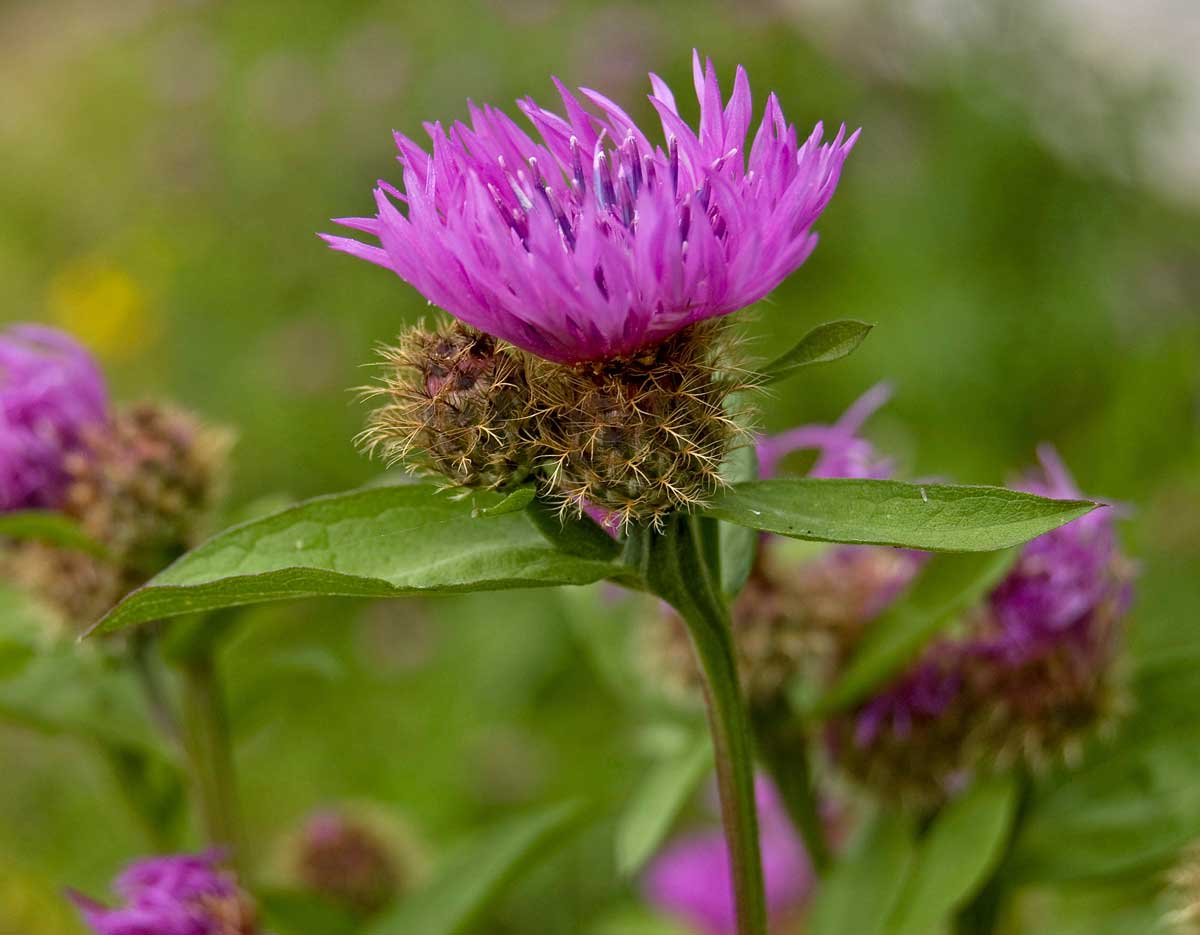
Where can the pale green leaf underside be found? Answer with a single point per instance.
(474, 875)
(377, 542)
(931, 517)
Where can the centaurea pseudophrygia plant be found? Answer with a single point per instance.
(590, 368)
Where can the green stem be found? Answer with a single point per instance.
(210, 753)
(783, 747)
(144, 664)
(672, 563)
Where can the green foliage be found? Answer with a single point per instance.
(955, 857)
(378, 542)
(476, 874)
(48, 526)
(933, 517)
(828, 342)
(739, 544)
(865, 887)
(657, 801)
(947, 585)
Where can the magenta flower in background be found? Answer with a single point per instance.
(51, 390)
(691, 878)
(1031, 671)
(595, 242)
(843, 452)
(182, 894)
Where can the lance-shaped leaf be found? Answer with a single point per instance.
(48, 526)
(931, 517)
(377, 542)
(472, 877)
(657, 802)
(946, 586)
(830, 341)
(955, 857)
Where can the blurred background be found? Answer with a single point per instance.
(1021, 219)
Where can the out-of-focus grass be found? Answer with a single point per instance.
(167, 166)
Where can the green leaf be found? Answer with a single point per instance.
(1127, 815)
(739, 544)
(48, 526)
(956, 857)
(863, 889)
(377, 542)
(302, 913)
(948, 585)
(830, 341)
(575, 535)
(933, 517)
(657, 802)
(514, 502)
(74, 691)
(471, 878)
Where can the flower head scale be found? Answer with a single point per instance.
(182, 894)
(595, 243)
(51, 391)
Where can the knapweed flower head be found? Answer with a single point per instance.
(51, 392)
(345, 859)
(594, 242)
(175, 895)
(797, 614)
(1031, 674)
(144, 486)
(691, 878)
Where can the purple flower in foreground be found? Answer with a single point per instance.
(594, 242)
(51, 391)
(691, 878)
(1031, 675)
(177, 895)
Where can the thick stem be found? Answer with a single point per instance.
(210, 753)
(672, 563)
(783, 748)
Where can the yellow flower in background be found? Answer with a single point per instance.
(104, 306)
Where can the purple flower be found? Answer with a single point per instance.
(182, 894)
(50, 391)
(1029, 675)
(691, 878)
(843, 453)
(594, 242)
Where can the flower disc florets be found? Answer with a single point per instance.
(456, 404)
(177, 895)
(595, 243)
(51, 391)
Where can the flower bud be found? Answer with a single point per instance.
(1032, 673)
(456, 403)
(348, 861)
(642, 436)
(145, 485)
